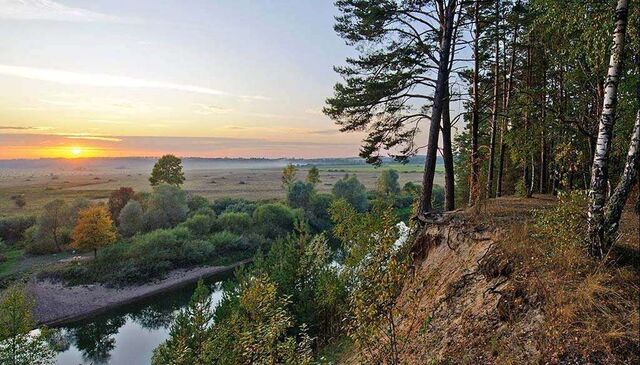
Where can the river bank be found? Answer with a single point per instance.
(56, 304)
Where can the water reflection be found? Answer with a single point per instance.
(127, 335)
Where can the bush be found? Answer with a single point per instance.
(235, 222)
(199, 224)
(299, 194)
(12, 228)
(197, 203)
(167, 207)
(351, 189)
(131, 219)
(220, 205)
(274, 220)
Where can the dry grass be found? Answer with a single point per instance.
(591, 308)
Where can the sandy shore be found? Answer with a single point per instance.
(56, 304)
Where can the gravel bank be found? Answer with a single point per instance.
(56, 304)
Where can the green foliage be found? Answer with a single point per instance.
(154, 254)
(376, 268)
(235, 222)
(353, 191)
(189, 334)
(299, 194)
(12, 228)
(118, 200)
(288, 175)
(197, 203)
(167, 207)
(566, 222)
(54, 227)
(17, 346)
(313, 176)
(131, 219)
(199, 224)
(168, 170)
(228, 204)
(387, 183)
(274, 220)
(258, 329)
(437, 197)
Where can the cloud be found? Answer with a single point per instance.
(52, 10)
(21, 128)
(93, 138)
(325, 131)
(104, 80)
(211, 109)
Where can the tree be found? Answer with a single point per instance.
(376, 266)
(93, 230)
(386, 89)
(17, 346)
(299, 194)
(167, 206)
(130, 220)
(53, 225)
(117, 200)
(189, 333)
(599, 243)
(387, 183)
(273, 220)
(167, 170)
(313, 176)
(353, 191)
(288, 175)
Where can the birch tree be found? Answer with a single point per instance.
(599, 242)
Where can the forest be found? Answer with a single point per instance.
(533, 107)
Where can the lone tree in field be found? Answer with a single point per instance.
(288, 175)
(167, 170)
(399, 79)
(93, 230)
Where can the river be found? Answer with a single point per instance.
(128, 335)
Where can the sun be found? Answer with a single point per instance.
(76, 151)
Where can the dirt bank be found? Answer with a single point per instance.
(56, 304)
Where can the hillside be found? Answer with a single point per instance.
(496, 290)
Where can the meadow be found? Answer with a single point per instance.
(40, 186)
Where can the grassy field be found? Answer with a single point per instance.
(40, 187)
(401, 168)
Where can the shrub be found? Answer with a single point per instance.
(351, 189)
(235, 222)
(387, 183)
(299, 194)
(274, 220)
(12, 228)
(197, 203)
(221, 205)
(167, 207)
(131, 219)
(241, 207)
(199, 224)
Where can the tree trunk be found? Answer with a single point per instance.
(474, 190)
(544, 167)
(505, 107)
(436, 112)
(527, 178)
(598, 244)
(447, 154)
(618, 199)
(494, 111)
(95, 253)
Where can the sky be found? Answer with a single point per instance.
(224, 78)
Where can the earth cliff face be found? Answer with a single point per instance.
(469, 300)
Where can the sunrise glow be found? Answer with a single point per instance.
(76, 151)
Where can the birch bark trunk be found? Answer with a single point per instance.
(596, 222)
